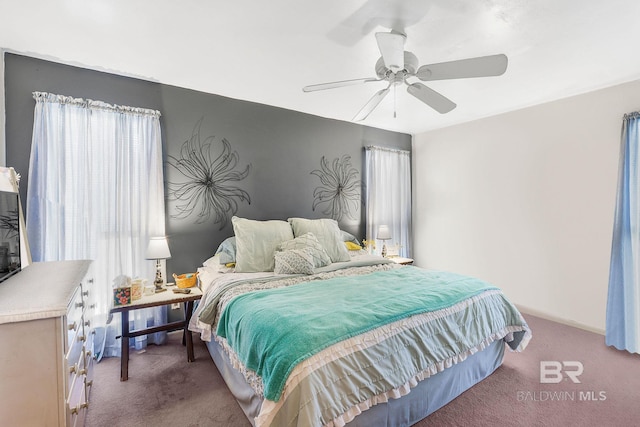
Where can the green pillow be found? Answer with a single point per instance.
(257, 241)
(328, 234)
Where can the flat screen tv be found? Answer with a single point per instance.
(9, 234)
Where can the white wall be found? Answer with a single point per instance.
(526, 201)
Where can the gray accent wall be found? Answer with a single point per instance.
(280, 147)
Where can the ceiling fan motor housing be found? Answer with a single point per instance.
(410, 68)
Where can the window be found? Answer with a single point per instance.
(388, 195)
(96, 192)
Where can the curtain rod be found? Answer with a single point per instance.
(89, 103)
(392, 150)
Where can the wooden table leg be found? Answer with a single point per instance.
(124, 347)
(188, 310)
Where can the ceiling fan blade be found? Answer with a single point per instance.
(482, 66)
(432, 98)
(332, 85)
(391, 47)
(371, 105)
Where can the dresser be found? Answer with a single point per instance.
(46, 344)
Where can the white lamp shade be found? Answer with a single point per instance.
(384, 233)
(158, 248)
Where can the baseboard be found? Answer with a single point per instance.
(546, 316)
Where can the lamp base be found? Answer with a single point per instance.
(158, 280)
(384, 250)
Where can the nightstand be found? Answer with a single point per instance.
(401, 260)
(155, 300)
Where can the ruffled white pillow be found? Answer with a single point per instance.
(294, 261)
(308, 241)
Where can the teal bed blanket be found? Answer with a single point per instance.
(273, 330)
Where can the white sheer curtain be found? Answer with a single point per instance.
(95, 191)
(388, 195)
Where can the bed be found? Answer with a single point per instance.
(306, 332)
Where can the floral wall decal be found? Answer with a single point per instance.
(207, 189)
(339, 189)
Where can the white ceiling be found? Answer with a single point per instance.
(266, 51)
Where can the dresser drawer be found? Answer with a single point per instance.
(77, 339)
(87, 292)
(76, 370)
(80, 383)
(77, 404)
(88, 378)
(74, 317)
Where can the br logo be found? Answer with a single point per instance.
(552, 371)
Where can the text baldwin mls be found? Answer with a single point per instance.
(550, 396)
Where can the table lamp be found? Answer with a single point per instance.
(158, 249)
(384, 234)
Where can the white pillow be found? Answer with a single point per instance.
(213, 262)
(257, 241)
(308, 241)
(227, 250)
(294, 261)
(328, 234)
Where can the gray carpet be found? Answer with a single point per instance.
(164, 390)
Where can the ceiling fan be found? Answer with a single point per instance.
(396, 66)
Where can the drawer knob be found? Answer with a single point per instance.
(89, 383)
(75, 410)
(82, 372)
(82, 338)
(87, 323)
(85, 294)
(72, 327)
(79, 304)
(73, 368)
